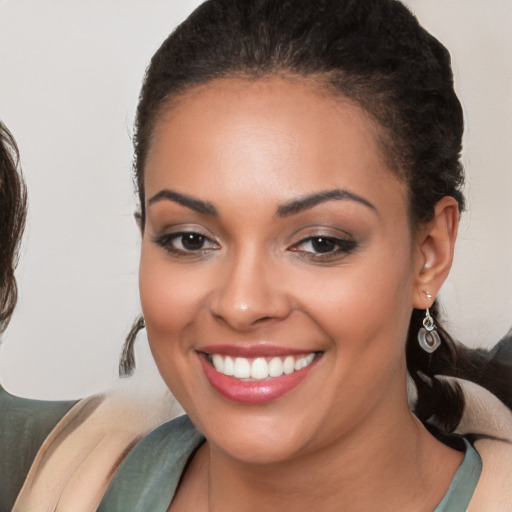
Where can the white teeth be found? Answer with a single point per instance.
(229, 366)
(242, 369)
(289, 365)
(300, 363)
(218, 363)
(260, 368)
(275, 367)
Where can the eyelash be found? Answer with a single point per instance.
(340, 248)
(166, 242)
(337, 247)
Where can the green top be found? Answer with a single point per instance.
(24, 425)
(161, 457)
(148, 477)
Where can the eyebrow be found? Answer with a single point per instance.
(291, 208)
(203, 207)
(311, 200)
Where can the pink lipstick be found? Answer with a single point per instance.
(255, 374)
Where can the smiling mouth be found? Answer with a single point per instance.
(259, 368)
(256, 374)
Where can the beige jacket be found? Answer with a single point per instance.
(485, 414)
(76, 463)
(78, 460)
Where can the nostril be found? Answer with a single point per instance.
(245, 304)
(263, 319)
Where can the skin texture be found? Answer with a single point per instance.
(344, 438)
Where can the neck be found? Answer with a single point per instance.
(378, 466)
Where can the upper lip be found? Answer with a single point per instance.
(253, 350)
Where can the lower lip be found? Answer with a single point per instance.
(255, 391)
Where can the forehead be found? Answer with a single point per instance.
(274, 136)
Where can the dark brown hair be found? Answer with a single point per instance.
(13, 206)
(371, 51)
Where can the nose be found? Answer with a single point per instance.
(249, 294)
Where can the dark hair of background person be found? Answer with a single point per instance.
(375, 53)
(13, 208)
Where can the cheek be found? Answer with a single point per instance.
(170, 297)
(364, 308)
(171, 300)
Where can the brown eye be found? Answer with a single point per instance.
(322, 244)
(192, 241)
(186, 243)
(322, 248)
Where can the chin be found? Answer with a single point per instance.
(257, 449)
(255, 435)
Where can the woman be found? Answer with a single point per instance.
(60, 445)
(299, 176)
(16, 414)
(13, 205)
(300, 186)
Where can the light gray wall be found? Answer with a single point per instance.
(70, 72)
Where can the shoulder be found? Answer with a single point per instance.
(79, 457)
(24, 425)
(491, 421)
(494, 488)
(34, 415)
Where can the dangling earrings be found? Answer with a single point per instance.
(428, 338)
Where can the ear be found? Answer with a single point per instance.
(435, 245)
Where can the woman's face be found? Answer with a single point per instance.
(277, 247)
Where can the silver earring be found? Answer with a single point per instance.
(428, 338)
